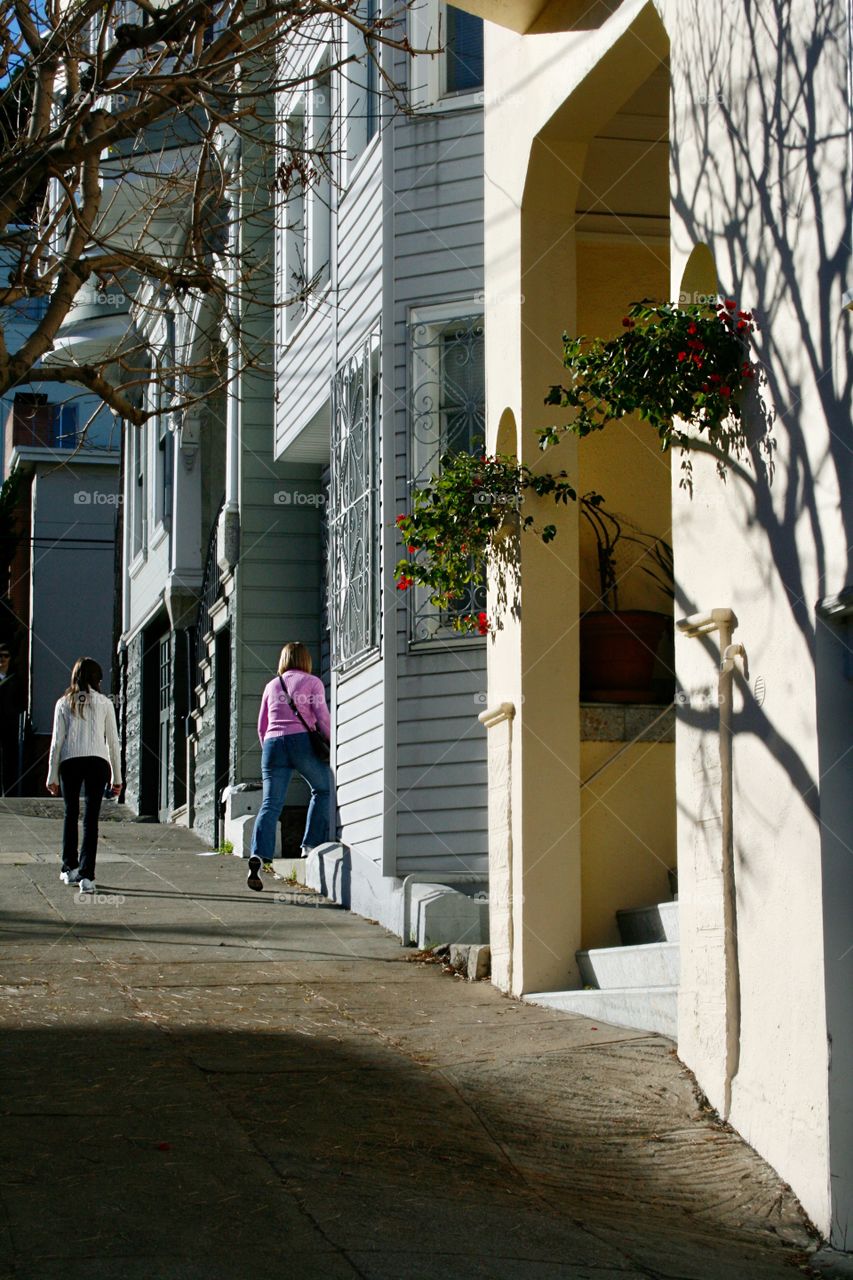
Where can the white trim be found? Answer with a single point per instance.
(358, 165)
(440, 313)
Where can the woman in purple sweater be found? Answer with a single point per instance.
(286, 746)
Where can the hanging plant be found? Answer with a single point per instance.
(458, 522)
(685, 363)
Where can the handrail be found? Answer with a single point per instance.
(700, 624)
(495, 715)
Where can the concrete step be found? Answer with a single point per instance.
(642, 1009)
(654, 964)
(638, 925)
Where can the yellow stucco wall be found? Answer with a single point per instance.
(627, 834)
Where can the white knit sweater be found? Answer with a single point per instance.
(91, 733)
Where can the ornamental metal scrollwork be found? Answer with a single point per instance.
(353, 525)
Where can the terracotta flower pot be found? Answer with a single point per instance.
(618, 653)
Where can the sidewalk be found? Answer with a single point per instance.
(202, 1083)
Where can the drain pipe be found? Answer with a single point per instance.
(724, 622)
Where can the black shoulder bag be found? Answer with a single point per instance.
(318, 742)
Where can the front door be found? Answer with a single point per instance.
(164, 728)
(222, 725)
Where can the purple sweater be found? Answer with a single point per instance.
(276, 717)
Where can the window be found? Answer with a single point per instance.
(463, 54)
(457, 72)
(138, 490)
(447, 412)
(165, 470)
(295, 276)
(361, 84)
(319, 196)
(354, 509)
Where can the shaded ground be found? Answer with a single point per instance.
(201, 1083)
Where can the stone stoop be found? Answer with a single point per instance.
(635, 985)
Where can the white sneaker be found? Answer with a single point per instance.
(70, 877)
(87, 886)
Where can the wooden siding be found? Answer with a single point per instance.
(442, 820)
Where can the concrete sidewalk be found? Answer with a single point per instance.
(202, 1083)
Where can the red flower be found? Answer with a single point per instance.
(682, 355)
(741, 324)
(412, 550)
(715, 377)
(731, 304)
(697, 360)
(629, 323)
(725, 391)
(692, 329)
(405, 583)
(400, 520)
(483, 624)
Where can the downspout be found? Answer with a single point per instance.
(228, 537)
(724, 622)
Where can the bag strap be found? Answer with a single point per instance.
(293, 705)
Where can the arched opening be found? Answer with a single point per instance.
(594, 239)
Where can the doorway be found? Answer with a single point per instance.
(222, 727)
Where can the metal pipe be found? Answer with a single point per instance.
(724, 621)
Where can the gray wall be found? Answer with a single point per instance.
(73, 577)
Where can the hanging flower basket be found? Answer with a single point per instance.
(673, 367)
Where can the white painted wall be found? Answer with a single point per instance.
(761, 172)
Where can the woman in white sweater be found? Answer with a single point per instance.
(84, 755)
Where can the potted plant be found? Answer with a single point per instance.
(619, 649)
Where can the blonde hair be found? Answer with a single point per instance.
(86, 674)
(295, 657)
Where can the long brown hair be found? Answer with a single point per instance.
(294, 657)
(86, 674)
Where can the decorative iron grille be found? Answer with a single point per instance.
(353, 517)
(448, 412)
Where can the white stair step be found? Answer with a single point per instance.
(642, 1009)
(638, 925)
(654, 964)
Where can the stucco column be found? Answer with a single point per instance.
(533, 660)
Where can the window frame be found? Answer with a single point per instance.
(434, 321)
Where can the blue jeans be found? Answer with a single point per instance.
(279, 758)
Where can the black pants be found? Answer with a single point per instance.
(92, 774)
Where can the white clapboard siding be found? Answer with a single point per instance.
(441, 815)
